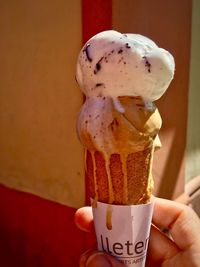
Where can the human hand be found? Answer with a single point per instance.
(181, 250)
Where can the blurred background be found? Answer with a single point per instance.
(41, 159)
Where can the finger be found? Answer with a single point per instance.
(84, 219)
(181, 220)
(160, 247)
(94, 258)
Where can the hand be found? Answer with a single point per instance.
(182, 249)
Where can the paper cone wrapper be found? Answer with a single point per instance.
(123, 231)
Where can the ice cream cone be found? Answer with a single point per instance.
(121, 75)
(121, 179)
(118, 163)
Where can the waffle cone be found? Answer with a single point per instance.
(121, 179)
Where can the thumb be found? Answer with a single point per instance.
(94, 258)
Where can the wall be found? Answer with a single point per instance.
(39, 99)
(193, 134)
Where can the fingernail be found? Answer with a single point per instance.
(98, 260)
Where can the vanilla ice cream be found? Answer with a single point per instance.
(115, 64)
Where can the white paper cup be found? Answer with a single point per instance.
(123, 231)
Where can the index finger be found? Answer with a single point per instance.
(84, 219)
(181, 220)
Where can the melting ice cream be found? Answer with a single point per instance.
(121, 75)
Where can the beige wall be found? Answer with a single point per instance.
(193, 137)
(39, 99)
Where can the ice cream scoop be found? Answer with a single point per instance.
(115, 64)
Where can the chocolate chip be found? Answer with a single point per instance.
(147, 64)
(86, 51)
(98, 66)
(99, 84)
(128, 45)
